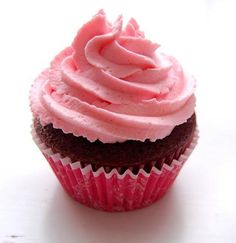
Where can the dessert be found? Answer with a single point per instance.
(114, 117)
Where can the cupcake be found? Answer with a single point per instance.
(114, 116)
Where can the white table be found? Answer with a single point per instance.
(200, 207)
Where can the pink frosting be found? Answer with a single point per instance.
(113, 85)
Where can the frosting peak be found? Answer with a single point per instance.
(105, 46)
(112, 84)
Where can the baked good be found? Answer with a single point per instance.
(112, 112)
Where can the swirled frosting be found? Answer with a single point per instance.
(113, 85)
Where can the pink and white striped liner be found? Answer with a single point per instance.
(113, 191)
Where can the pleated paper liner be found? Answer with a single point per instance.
(107, 189)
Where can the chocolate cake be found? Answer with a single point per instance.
(134, 154)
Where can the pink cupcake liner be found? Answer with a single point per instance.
(112, 191)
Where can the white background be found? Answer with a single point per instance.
(201, 206)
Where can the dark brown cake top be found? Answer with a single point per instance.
(129, 153)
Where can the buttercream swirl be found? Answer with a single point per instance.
(113, 85)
